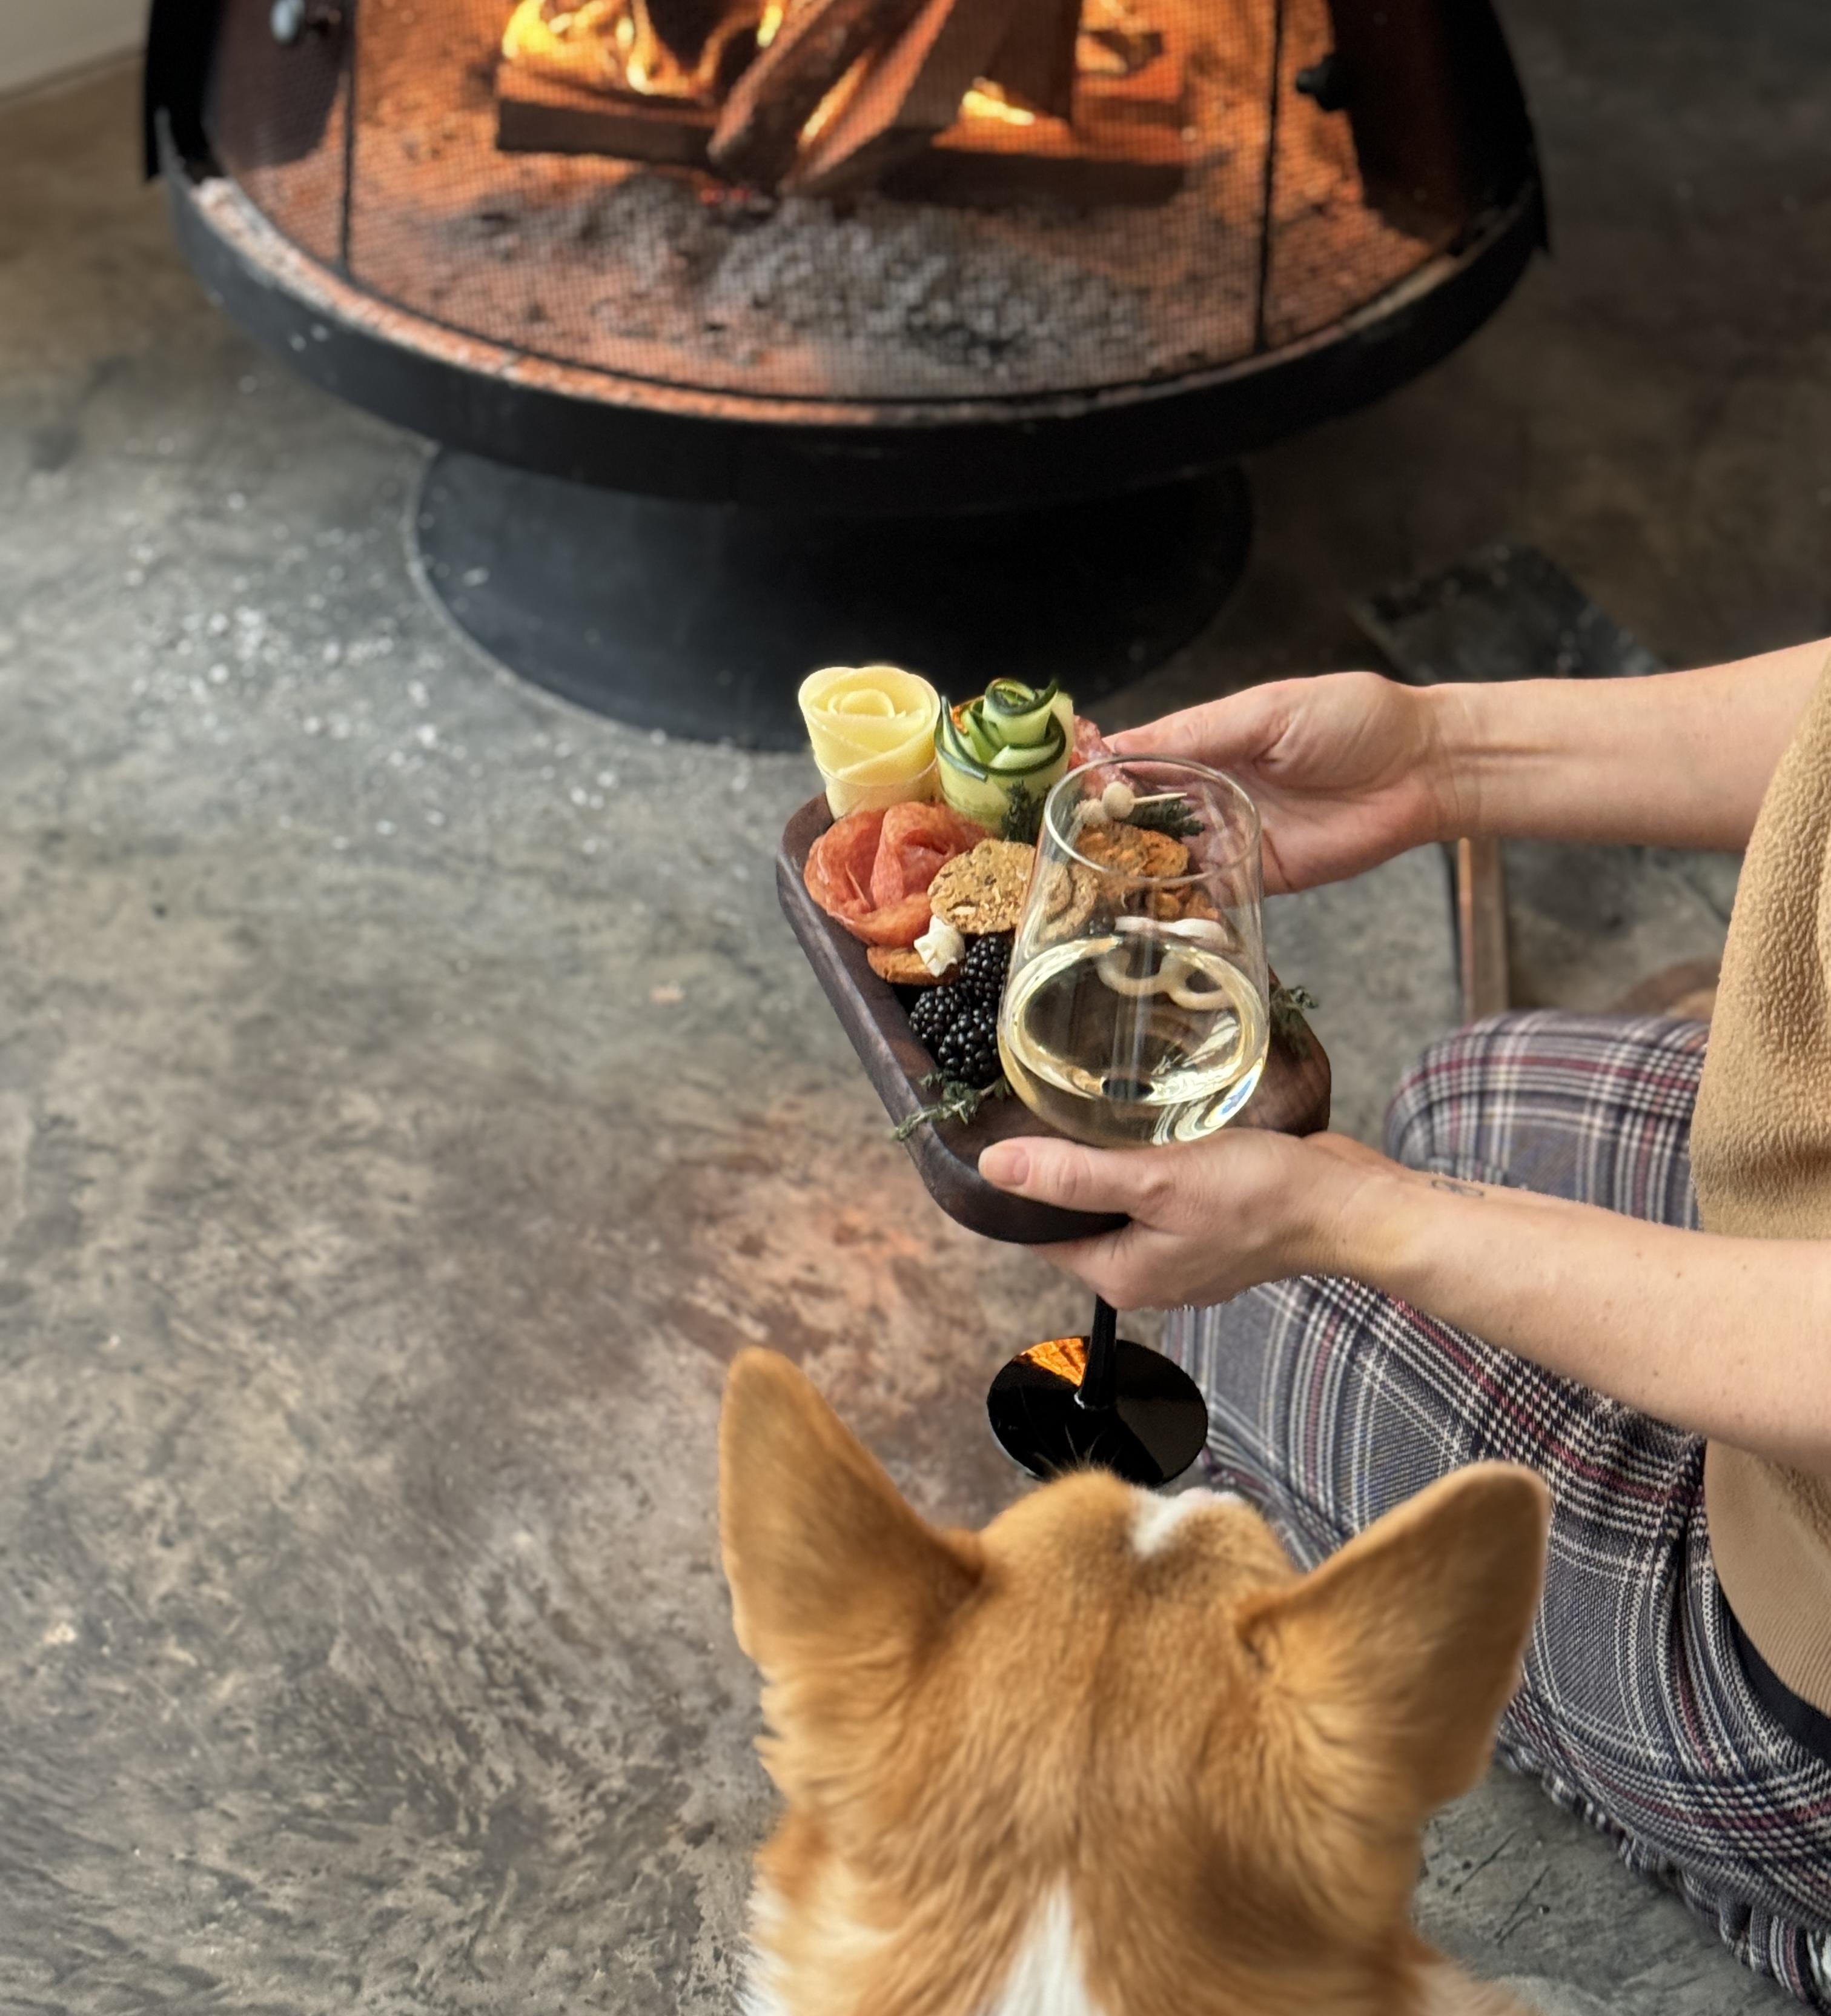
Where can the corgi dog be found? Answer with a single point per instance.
(1113, 1755)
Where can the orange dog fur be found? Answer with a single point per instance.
(1113, 1756)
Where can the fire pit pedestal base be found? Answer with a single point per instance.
(702, 619)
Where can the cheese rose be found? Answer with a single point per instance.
(872, 729)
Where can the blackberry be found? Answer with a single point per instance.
(984, 970)
(933, 1015)
(968, 1051)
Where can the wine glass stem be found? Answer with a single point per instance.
(1099, 1384)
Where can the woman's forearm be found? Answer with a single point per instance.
(1678, 759)
(1727, 1337)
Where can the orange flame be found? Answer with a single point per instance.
(613, 42)
(986, 101)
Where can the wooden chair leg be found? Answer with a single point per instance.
(1481, 927)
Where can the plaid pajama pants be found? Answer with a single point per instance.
(1330, 1403)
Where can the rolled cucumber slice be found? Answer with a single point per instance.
(980, 799)
(952, 747)
(1019, 714)
(979, 764)
(966, 783)
(983, 737)
(1028, 763)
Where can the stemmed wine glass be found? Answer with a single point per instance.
(1136, 1013)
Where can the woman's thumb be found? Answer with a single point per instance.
(1061, 1172)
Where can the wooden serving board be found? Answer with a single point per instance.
(1293, 1097)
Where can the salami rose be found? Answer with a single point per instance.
(870, 871)
(896, 924)
(915, 840)
(838, 874)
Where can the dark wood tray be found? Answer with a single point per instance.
(1293, 1097)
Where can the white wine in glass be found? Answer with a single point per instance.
(1138, 1036)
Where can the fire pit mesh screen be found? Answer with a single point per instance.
(1193, 207)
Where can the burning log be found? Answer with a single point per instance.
(683, 28)
(542, 115)
(971, 97)
(1035, 63)
(982, 164)
(904, 98)
(929, 115)
(817, 46)
(1115, 42)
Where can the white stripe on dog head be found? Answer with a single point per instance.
(1045, 1978)
(1157, 1519)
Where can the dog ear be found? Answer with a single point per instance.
(1401, 1650)
(828, 1566)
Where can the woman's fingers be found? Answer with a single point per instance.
(1237, 730)
(1172, 735)
(1077, 1178)
(1224, 732)
(1064, 1173)
(1099, 1264)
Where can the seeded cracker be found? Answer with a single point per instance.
(1070, 896)
(983, 891)
(1133, 850)
(1054, 894)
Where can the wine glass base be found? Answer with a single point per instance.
(1155, 1429)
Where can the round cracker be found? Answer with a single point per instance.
(1081, 905)
(1055, 892)
(901, 966)
(983, 891)
(1137, 850)
(1071, 894)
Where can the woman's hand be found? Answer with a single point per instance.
(1722, 1336)
(1208, 1220)
(1347, 770)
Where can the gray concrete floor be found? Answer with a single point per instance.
(401, 1124)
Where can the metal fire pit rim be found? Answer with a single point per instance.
(896, 455)
(262, 241)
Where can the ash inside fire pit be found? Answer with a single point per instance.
(672, 275)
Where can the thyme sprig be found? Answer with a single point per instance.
(1169, 812)
(956, 1099)
(1022, 819)
(1289, 1005)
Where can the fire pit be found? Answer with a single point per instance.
(766, 333)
